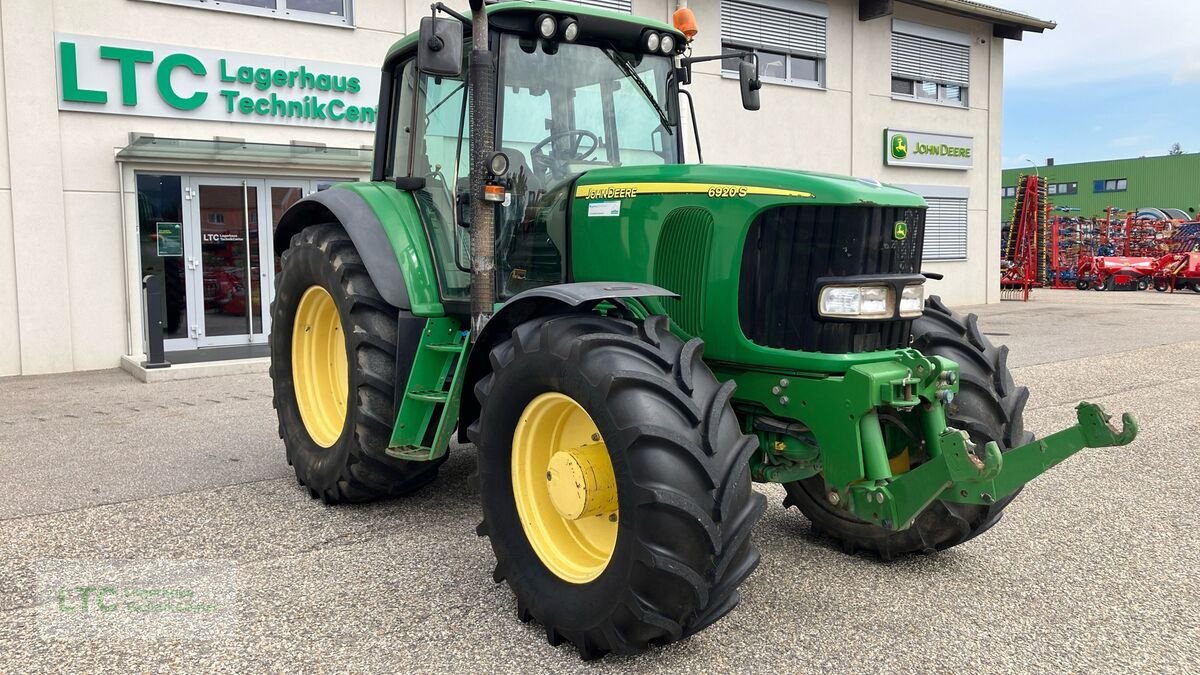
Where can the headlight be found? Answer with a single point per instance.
(570, 29)
(912, 301)
(547, 26)
(856, 302)
(651, 42)
(668, 44)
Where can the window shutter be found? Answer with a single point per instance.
(945, 229)
(921, 58)
(623, 6)
(760, 27)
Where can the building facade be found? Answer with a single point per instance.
(166, 138)
(1166, 182)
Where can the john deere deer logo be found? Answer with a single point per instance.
(899, 146)
(901, 230)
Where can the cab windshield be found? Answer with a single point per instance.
(566, 108)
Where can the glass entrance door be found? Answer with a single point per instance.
(209, 239)
(228, 277)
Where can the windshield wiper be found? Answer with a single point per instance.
(626, 68)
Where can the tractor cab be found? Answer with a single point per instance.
(574, 89)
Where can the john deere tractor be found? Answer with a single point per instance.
(629, 341)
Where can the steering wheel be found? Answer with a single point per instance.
(555, 162)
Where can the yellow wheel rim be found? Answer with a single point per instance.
(564, 487)
(319, 366)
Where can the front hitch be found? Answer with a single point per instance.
(954, 471)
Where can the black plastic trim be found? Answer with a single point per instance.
(360, 222)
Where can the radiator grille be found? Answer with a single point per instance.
(679, 263)
(788, 248)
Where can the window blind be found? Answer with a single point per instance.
(945, 229)
(926, 59)
(773, 29)
(623, 6)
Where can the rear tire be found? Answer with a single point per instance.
(1082, 285)
(680, 464)
(354, 466)
(988, 407)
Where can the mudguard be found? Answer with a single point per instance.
(559, 298)
(366, 231)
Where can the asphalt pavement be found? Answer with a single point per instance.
(1095, 567)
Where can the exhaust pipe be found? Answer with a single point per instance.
(483, 213)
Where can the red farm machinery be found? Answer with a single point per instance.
(1026, 255)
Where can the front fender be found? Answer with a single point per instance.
(385, 226)
(556, 299)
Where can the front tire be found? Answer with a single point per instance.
(988, 407)
(682, 506)
(334, 345)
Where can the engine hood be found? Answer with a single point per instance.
(739, 181)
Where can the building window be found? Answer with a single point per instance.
(1008, 192)
(1063, 188)
(945, 229)
(929, 64)
(787, 35)
(622, 6)
(337, 12)
(1110, 185)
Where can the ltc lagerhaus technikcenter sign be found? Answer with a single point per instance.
(125, 77)
(929, 151)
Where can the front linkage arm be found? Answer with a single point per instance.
(955, 473)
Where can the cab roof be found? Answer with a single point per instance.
(517, 16)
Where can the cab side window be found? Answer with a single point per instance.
(440, 150)
(405, 88)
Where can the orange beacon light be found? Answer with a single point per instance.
(685, 20)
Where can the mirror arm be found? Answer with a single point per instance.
(686, 62)
(441, 7)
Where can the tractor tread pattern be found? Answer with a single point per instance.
(989, 407)
(639, 360)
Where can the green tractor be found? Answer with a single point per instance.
(629, 341)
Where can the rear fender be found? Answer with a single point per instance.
(385, 226)
(557, 299)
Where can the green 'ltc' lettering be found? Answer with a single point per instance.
(167, 91)
(71, 91)
(128, 58)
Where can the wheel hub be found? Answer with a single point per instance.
(564, 488)
(581, 482)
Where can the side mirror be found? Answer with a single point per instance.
(440, 47)
(748, 79)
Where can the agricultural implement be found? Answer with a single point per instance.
(1180, 268)
(1026, 254)
(628, 340)
(1111, 273)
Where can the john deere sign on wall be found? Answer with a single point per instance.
(124, 77)
(931, 151)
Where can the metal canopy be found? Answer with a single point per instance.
(229, 152)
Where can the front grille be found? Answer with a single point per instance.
(788, 248)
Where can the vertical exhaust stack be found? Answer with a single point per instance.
(483, 213)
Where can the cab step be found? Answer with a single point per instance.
(428, 411)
